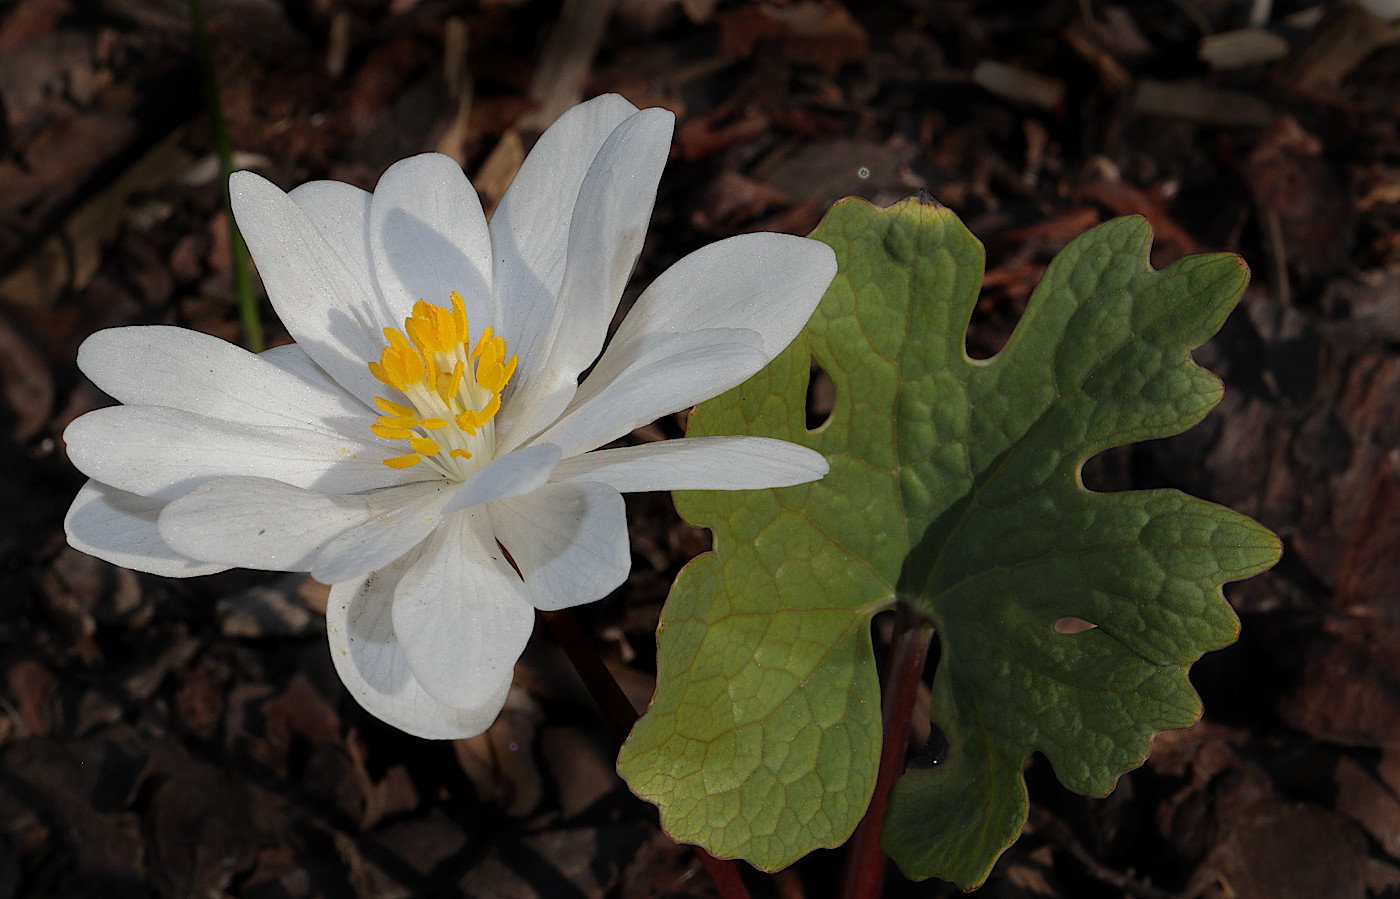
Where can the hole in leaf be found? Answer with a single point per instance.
(1071, 625)
(821, 397)
(934, 751)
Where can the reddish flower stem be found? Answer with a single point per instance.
(621, 715)
(864, 876)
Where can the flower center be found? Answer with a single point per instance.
(455, 394)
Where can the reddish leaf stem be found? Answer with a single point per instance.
(593, 671)
(621, 715)
(864, 876)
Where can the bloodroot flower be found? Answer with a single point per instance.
(424, 446)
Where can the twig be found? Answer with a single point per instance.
(1060, 832)
(242, 267)
(865, 860)
(621, 715)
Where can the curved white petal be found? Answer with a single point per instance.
(256, 523)
(161, 452)
(374, 668)
(397, 522)
(462, 616)
(120, 528)
(530, 234)
(505, 476)
(335, 317)
(157, 365)
(569, 541)
(697, 463)
(428, 237)
(262, 523)
(605, 237)
(608, 226)
(340, 214)
(768, 284)
(291, 358)
(530, 228)
(673, 375)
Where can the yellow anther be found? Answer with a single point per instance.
(460, 454)
(398, 421)
(490, 354)
(418, 334)
(379, 374)
(434, 326)
(403, 461)
(398, 368)
(489, 411)
(392, 408)
(390, 433)
(398, 341)
(493, 377)
(389, 372)
(424, 445)
(454, 383)
(446, 325)
(394, 373)
(481, 342)
(459, 317)
(433, 424)
(469, 421)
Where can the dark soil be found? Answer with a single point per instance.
(190, 738)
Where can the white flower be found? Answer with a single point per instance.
(430, 412)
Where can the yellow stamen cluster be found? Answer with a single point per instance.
(454, 393)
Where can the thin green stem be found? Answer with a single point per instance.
(242, 266)
(864, 876)
(621, 715)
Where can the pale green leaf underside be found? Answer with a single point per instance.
(954, 486)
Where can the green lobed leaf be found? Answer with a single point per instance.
(955, 488)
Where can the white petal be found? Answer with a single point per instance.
(462, 616)
(429, 238)
(530, 232)
(120, 528)
(399, 521)
(608, 227)
(335, 317)
(768, 284)
(157, 365)
(569, 541)
(697, 463)
(374, 668)
(261, 523)
(161, 452)
(514, 474)
(291, 358)
(340, 213)
(530, 229)
(605, 237)
(674, 375)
